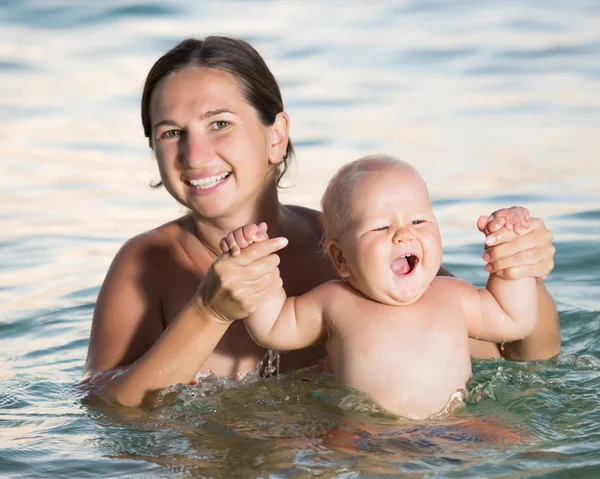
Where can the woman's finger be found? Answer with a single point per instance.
(510, 243)
(264, 291)
(525, 257)
(253, 271)
(260, 283)
(541, 257)
(539, 270)
(510, 248)
(504, 235)
(260, 250)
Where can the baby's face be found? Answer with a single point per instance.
(391, 243)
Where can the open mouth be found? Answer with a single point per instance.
(404, 265)
(208, 182)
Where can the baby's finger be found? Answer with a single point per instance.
(501, 212)
(250, 232)
(224, 246)
(238, 234)
(232, 244)
(262, 235)
(518, 216)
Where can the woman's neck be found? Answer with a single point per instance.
(265, 208)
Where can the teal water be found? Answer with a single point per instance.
(497, 103)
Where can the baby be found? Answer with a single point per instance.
(393, 329)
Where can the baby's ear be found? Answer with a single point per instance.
(337, 257)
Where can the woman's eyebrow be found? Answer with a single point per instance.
(204, 116)
(164, 122)
(211, 113)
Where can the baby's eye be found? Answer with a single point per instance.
(381, 228)
(219, 125)
(417, 222)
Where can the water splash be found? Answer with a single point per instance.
(269, 366)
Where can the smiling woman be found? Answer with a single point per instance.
(203, 116)
(166, 311)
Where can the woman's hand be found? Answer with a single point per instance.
(519, 251)
(234, 286)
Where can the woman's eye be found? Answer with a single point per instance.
(219, 125)
(417, 222)
(170, 134)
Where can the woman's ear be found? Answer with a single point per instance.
(280, 135)
(337, 257)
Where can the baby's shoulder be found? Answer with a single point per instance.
(452, 285)
(334, 289)
(330, 294)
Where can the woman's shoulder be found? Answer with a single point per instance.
(154, 245)
(311, 221)
(308, 213)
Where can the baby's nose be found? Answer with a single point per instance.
(401, 235)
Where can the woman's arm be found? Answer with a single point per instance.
(544, 341)
(130, 356)
(530, 254)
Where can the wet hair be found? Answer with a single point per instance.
(336, 199)
(231, 55)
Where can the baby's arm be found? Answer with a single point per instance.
(506, 310)
(280, 323)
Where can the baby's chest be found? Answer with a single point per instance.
(383, 335)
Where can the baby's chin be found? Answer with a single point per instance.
(392, 298)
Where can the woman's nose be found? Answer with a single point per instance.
(196, 150)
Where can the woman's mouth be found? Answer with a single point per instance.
(404, 265)
(208, 182)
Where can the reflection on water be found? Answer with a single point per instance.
(497, 103)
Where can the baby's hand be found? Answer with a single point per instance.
(242, 237)
(515, 218)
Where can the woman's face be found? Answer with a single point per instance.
(213, 153)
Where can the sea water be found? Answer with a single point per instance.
(497, 103)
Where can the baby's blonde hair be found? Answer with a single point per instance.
(336, 199)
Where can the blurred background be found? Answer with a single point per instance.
(496, 103)
(484, 98)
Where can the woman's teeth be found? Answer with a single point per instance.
(205, 183)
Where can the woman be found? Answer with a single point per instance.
(166, 311)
